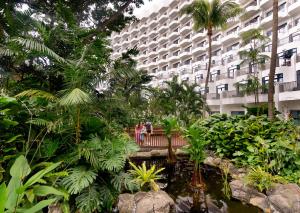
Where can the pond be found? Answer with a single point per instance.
(177, 185)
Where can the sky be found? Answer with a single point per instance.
(150, 7)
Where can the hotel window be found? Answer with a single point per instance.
(187, 62)
(165, 56)
(214, 74)
(188, 36)
(145, 52)
(221, 88)
(199, 77)
(176, 53)
(282, 28)
(269, 33)
(144, 62)
(165, 45)
(269, 13)
(176, 65)
(234, 113)
(164, 68)
(277, 78)
(188, 24)
(188, 49)
(176, 30)
(295, 114)
(154, 70)
(282, 7)
(176, 41)
(154, 59)
(231, 71)
(154, 49)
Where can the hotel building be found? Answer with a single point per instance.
(168, 46)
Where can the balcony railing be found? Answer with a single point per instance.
(289, 86)
(212, 96)
(232, 94)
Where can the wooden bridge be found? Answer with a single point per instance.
(158, 140)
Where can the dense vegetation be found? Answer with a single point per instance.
(255, 141)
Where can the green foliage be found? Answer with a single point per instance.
(262, 180)
(146, 178)
(211, 14)
(255, 141)
(170, 125)
(180, 100)
(22, 193)
(195, 136)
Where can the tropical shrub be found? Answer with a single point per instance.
(255, 141)
(262, 180)
(24, 190)
(146, 178)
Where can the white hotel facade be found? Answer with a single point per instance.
(168, 46)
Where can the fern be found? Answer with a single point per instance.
(37, 46)
(75, 97)
(126, 181)
(78, 179)
(7, 52)
(89, 200)
(36, 93)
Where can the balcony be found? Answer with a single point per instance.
(199, 49)
(223, 76)
(289, 86)
(174, 35)
(162, 50)
(173, 46)
(266, 4)
(163, 17)
(173, 24)
(185, 41)
(289, 91)
(184, 54)
(252, 9)
(163, 28)
(216, 42)
(249, 27)
(242, 71)
(213, 96)
(294, 7)
(199, 35)
(230, 37)
(185, 29)
(184, 4)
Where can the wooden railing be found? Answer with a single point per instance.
(158, 139)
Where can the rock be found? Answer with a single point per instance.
(248, 195)
(285, 198)
(126, 203)
(160, 152)
(146, 202)
(180, 152)
(210, 161)
(54, 208)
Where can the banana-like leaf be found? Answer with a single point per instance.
(40, 190)
(39, 206)
(3, 197)
(75, 97)
(36, 93)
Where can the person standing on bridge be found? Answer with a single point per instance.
(149, 129)
(140, 131)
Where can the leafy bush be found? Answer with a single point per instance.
(261, 179)
(255, 141)
(23, 193)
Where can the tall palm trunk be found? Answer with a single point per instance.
(171, 154)
(209, 35)
(273, 60)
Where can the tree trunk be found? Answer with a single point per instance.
(171, 154)
(209, 35)
(273, 61)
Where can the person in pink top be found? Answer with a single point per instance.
(140, 131)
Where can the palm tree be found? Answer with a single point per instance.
(273, 60)
(254, 57)
(170, 125)
(211, 15)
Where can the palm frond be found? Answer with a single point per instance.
(36, 93)
(75, 97)
(78, 179)
(7, 52)
(33, 45)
